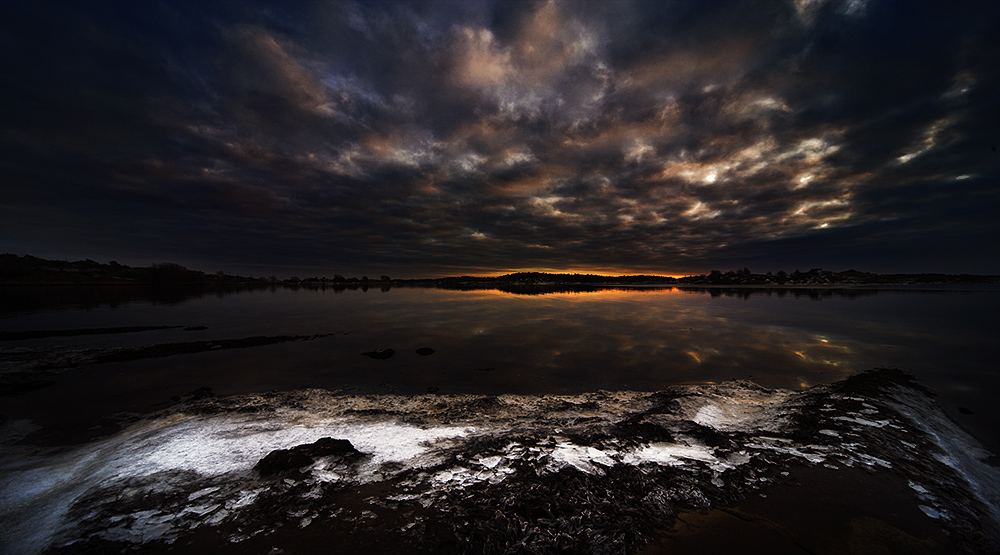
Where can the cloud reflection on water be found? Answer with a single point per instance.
(604, 340)
(493, 342)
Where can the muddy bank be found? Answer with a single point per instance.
(38, 334)
(29, 368)
(606, 472)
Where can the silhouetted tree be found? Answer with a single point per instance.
(169, 272)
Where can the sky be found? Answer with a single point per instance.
(423, 139)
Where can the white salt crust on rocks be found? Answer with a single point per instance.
(202, 463)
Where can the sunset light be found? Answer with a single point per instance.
(426, 139)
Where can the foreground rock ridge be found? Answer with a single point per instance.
(602, 472)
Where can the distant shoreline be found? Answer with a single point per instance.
(447, 284)
(27, 270)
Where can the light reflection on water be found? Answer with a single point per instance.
(493, 342)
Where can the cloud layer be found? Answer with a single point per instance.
(435, 138)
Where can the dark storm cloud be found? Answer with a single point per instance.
(429, 137)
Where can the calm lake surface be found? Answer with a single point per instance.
(493, 342)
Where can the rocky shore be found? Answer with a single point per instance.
(606, 472)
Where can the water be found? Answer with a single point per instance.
(491, 342)
(426, 432)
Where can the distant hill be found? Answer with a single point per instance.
(739, 278)
(30, 270)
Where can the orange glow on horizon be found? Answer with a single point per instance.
(611, 292)
(603, 273)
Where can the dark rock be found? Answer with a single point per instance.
(285, 460)
(965, 410)
(282, 460)
(635, 429)
(329, 447)
(372, 412)
(425, 351)
(199, 394)
(566, 405)
(872, 383)
(380, 354)
(483, 404)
